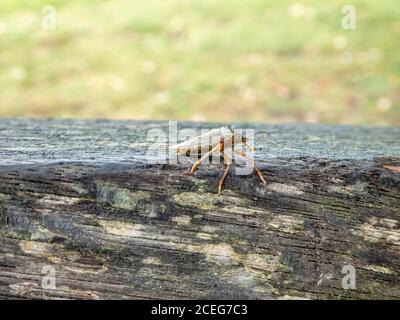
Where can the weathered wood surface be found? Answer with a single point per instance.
(79, 196)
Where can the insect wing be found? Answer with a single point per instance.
(203, 141)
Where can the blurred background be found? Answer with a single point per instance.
(202, 60)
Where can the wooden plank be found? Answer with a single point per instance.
(81, 197)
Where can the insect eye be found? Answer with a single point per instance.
(244, 139)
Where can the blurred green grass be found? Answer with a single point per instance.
(254, 60)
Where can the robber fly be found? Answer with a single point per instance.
(225, 141)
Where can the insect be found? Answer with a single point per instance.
(225, 141)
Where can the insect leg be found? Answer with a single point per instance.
(197, 163)
(221, 182)
(244, 155)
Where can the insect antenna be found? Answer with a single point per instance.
(275, 143)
